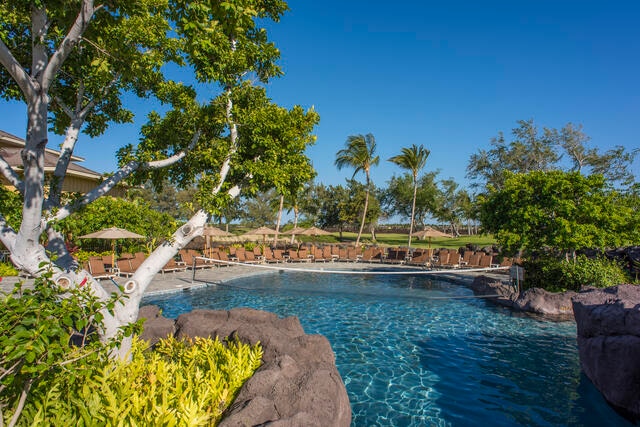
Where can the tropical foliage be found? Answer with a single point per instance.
(180, 383)
(556, 274)
(359, 153)
(413, 159)
(46, 337)
(533, 150)
(136, 216)
(55, 370)
(558, 211)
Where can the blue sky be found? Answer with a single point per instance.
(449, 75)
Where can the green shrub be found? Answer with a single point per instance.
(598, 272)
(83, 255)
(47, 333)
(7, 269)
(181, 383)
(555, 274)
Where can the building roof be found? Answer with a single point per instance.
(11, 145)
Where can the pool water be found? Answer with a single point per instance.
(414, 351)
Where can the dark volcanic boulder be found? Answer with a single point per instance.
(298, 383)
(156, 326)
(535, 300)
(608, 324)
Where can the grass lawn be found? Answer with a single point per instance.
(392, 239)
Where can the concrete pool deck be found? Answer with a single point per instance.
(183, 280)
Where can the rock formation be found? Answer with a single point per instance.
(298, 383)
(608, 323)
(533, 300)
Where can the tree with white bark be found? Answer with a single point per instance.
(72, 63)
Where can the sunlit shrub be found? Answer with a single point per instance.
(180, 383)
(555, 274)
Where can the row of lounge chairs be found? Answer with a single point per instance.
(103, 267)
(125, 266)
(442, 258)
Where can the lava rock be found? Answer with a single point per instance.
(298, 383)
(608, 327)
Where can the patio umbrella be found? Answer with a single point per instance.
(315, 231)
(210, 232)
(112, 234)
(293, 231)
(261, 231)
(429, 232)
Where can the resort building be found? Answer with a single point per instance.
(78, 178)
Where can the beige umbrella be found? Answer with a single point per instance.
(429, 232)
(296, 230)
(112, 234)
(261, 231)
(209, 232)
(293, 232)
(315, 231)
(213, 231)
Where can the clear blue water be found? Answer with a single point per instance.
(419, 352)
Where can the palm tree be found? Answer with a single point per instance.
(359, 153)
(413, 159)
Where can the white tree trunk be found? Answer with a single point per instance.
(138, 283)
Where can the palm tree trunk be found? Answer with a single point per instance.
(413, 211)
(364, 214)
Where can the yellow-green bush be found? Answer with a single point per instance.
(7, 269)
(180, 383)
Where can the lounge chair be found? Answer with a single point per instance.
(190, 259)
(420, 257)
(172, 266)
(486, 261)
(443, 259)
(318, 255)
(454, 260)
(372, 254)
(353, 255)
(474, 260)
(127, 266)
(396, 256)
(98, 270)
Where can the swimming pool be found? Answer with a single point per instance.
(414, 351)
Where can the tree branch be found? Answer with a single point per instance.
(17, 72)
(11, 175)
(117, 177)
(71, 39)
(7, 234)
(23, 399)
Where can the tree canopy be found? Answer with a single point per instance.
(556, 211)
(72, 63)
(360, 154)
(531, 149)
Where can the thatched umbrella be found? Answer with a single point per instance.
(315, 231)
(430, 232)
(261, 231)
(209, 232)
